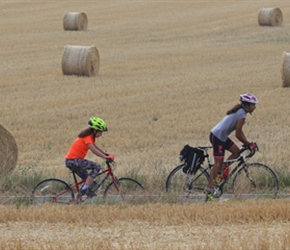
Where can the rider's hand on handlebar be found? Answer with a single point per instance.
(253, 146)
(110, 157)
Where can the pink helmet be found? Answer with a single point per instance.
(248, 98)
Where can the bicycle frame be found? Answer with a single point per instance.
(241, 162)
(77, 184)
(108, 172)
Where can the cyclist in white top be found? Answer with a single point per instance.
(219, 136)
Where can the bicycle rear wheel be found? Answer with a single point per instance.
(127, 190)
(255, 180)
(52, 191)
(184, 186)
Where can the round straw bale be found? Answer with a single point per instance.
(8, 152)
(285, 71)
(80, 60)
(270, 17)
(75, 21)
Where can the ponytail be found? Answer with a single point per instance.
(86, 132)
(234, 109)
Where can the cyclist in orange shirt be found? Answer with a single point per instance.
(75, 158)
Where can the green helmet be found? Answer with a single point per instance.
(97, 124)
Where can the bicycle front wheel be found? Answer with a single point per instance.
(125, 190)
(52, 191)
(183, 186)
(255, 180)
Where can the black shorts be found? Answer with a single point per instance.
(219, 146)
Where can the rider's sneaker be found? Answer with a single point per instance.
(87, 192)
(210, 194)
(211, 197)
(83, 191)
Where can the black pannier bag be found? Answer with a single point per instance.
(193, 158)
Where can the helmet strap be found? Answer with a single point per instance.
(244, 107)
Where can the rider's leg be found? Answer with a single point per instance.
(233, 148)
(88, 182)
(234, 152)
(95, 168)
(218, 165)
(218, 154)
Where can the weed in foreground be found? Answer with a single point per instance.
(21, 180)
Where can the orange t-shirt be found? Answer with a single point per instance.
(79, 148)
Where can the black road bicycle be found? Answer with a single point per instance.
(245, 180)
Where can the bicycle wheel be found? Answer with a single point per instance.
(183, 186)
(255, 180)
(130, 191)
(53, 191)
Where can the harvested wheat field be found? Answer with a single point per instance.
(251, 225)
(168, 72)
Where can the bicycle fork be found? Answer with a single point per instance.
(115, 181)
(245, 169)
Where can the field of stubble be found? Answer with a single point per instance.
(169, 70)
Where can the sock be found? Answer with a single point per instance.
(84, 187)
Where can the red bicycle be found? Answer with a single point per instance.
(118, 190)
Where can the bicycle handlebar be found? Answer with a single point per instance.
(108, 161)
(252, 152)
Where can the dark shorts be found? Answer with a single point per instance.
(219, 146)
(81, 167)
